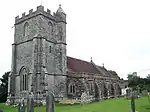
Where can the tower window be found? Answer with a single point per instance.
(50, 49)
(26, 29)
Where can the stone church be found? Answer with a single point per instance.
(40, 64)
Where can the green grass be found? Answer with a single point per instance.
(112, 105)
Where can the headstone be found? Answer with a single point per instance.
(19, 107)
(28, 105)
(50, 103)
(32, 105)
(132, 103)
(23, 106)
(1, 110)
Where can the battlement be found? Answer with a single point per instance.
(39, 11)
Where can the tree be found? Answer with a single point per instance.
(4, 87)
(137, 83)
(148, 76)
(133, 79)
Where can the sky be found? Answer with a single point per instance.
(113, 32)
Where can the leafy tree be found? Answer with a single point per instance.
(148, 76)
(4, 87)
(137, 83)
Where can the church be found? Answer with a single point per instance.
(40, 64)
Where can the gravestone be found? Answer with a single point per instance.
(21, 106)
(28, 105)
(132, 103)
(1, 110)
(32, 105)
(50, 103)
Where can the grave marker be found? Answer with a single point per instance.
(50, 103)
(132, 103)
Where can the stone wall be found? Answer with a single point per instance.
(24, 55)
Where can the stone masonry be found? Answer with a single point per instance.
(39, 54)
(40, 65)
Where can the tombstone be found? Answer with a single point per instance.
(21, 106)
(32, 105)
(28, 105)
(132, 103)
(1, 110)
(50, 103)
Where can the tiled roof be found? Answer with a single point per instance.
(77, 65)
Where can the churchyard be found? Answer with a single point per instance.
(110, 105)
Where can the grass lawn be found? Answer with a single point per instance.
(111, 105)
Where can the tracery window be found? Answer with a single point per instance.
(72, 88)
(26, 29)
(24, 80)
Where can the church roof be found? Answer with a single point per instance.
(77, 65)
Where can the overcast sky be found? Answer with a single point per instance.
(113, 32)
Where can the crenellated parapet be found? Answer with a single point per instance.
(40, 11)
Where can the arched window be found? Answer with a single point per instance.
(26, 29)
(72, 88)
(90, 87)
(23, 79)
(50, 28)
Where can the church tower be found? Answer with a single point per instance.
(39, 55)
